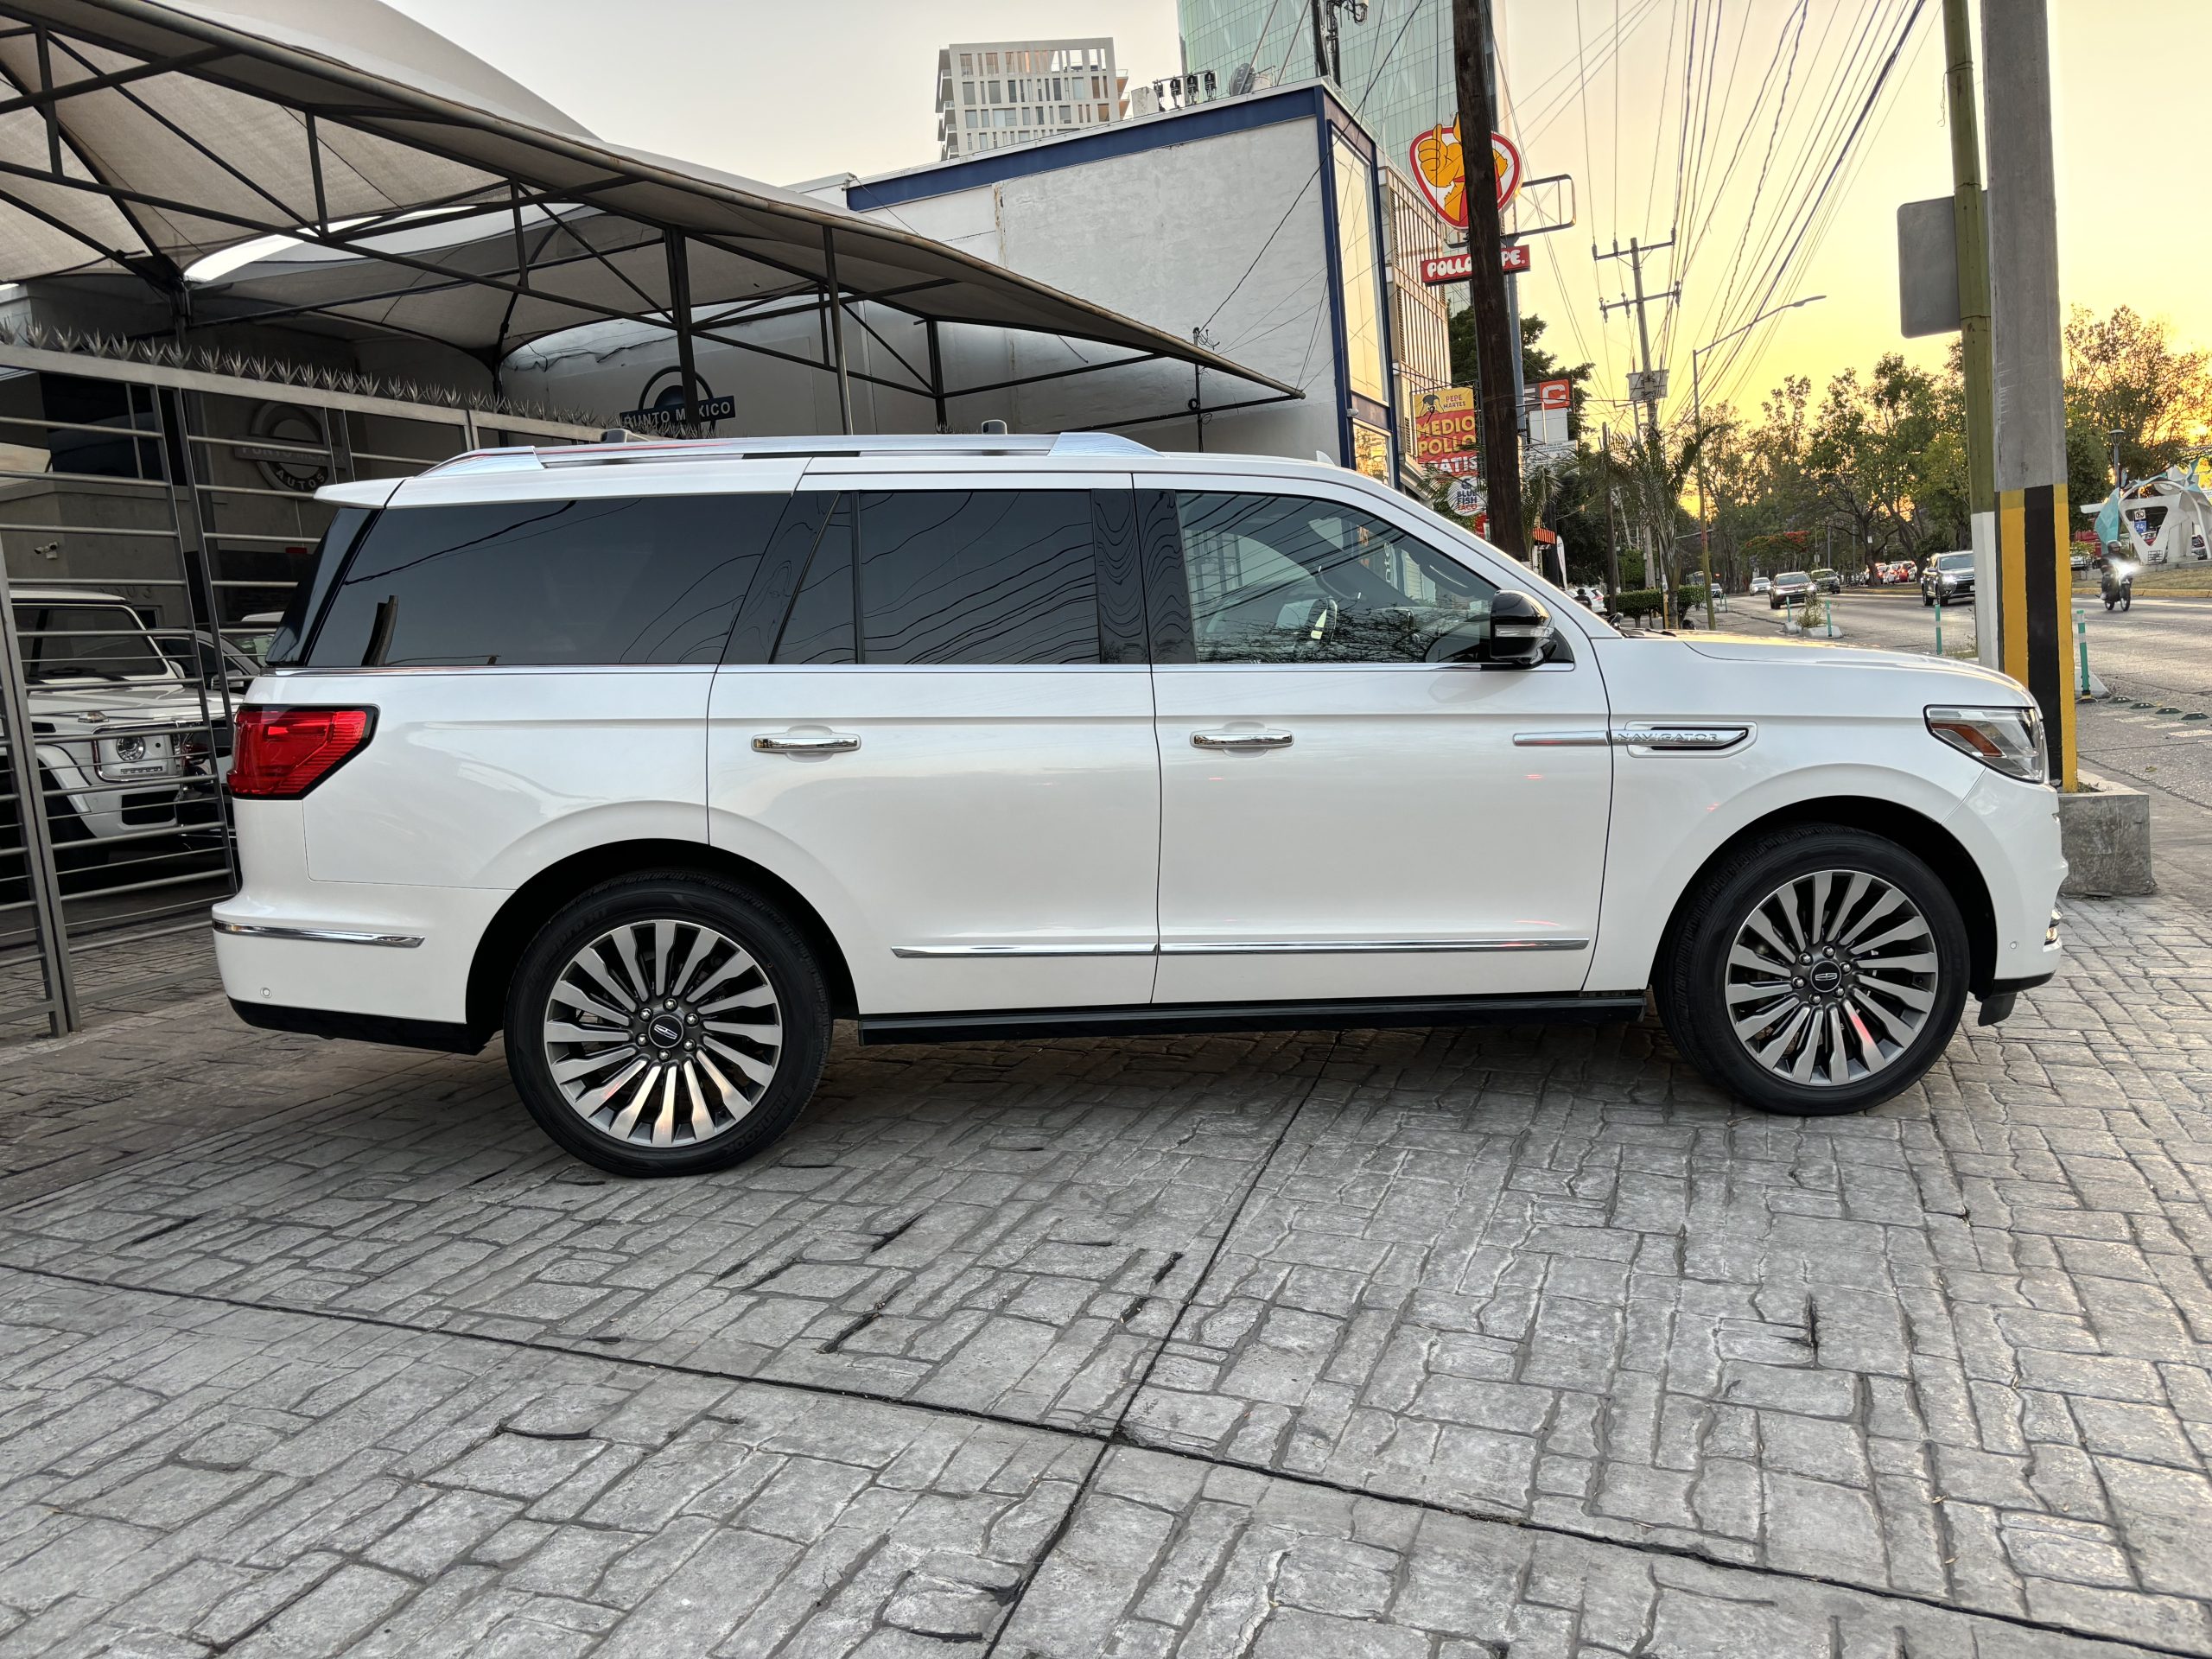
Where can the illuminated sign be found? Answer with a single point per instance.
(1458, 267)
(1444, 423)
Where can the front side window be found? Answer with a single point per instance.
(86, 642)
(977, 577)
(616, 580)
(1290, 579)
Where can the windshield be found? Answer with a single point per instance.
(1793, 575)
(86, 642)
(1955, 562)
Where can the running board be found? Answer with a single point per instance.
(1162, 1019)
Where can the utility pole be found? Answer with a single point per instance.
(2034, 525)
(1970, 232)
(1497, 351)
(1320, 38)
(1635, 258)
(1612, 540)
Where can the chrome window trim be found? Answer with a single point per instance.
(318, 935)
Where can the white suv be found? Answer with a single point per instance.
(664, 756)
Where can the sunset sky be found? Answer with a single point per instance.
(788, 92)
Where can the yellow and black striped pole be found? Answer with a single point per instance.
(2036, 581)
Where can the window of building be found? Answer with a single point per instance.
(1288, 579)
(649, 579)
(991, 87)
(978, 577)
(967, 63)
(1360, 271)
(1102, 115)
(990, 63)
(967, 92)
(1067, 115)
(970, 116)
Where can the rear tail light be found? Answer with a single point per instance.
(279, 754)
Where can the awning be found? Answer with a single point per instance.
(147, 135)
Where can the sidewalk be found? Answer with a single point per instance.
(1375, 1343)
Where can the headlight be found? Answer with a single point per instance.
(2008, 739)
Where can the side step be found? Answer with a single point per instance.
(1158, 1019)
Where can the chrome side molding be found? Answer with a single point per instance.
(1670, 738)
(1258, 948)
(987, 952)
(318, 935)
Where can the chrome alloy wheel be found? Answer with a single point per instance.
(663, 1033)
(1831, 977)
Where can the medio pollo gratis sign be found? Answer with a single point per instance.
(1444, 423)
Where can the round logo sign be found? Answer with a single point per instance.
(289, 448)
(666, 1031)
(1464, 497)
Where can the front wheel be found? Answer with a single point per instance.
(2127, 600)
(666, 1024)
(1816, 970)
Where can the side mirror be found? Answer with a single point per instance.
(1520, 630)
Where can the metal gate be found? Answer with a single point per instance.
(155, 522)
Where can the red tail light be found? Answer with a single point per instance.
(280, 754)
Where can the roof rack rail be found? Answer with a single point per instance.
(825, 447)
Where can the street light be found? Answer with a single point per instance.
(1697, 424)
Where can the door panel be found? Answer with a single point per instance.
(937, 740)
(1342, 818)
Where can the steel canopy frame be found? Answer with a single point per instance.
(928, 282)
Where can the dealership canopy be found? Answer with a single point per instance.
(421, 193)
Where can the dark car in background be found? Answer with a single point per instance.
(1790, 587)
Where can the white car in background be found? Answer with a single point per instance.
(662, 757)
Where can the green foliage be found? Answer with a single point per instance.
(1639, 601)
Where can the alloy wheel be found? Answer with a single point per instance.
(1831, 977)
(663, 1033)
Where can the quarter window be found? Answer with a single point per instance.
(651, 579)
(976, 577)
(1289, 579)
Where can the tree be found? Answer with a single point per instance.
(2124, 374)
(1537, 363)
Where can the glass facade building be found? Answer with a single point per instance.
(1397, 65)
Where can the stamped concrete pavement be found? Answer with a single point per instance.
(1439, 1343)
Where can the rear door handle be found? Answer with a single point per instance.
(806, 743)
(1240, 740)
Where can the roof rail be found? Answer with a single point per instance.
(825, 447)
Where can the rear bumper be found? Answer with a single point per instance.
(362, 1027)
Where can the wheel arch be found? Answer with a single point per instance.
(531, 905)
(1913, 831)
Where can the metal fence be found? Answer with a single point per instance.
(154, 522)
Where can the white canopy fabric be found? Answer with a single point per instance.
(147, 135)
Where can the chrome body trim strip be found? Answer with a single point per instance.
(1564, 739)
(985, 952)
(318, 935)
(1366, 947)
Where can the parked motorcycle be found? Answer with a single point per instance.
(2117, 585)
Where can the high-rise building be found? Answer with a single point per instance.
(993, 94)
(1397, 65)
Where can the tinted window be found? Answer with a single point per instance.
(285, 644)
(86, 642)
(650, 579)
(820, 627)
(982, 576)
(1281, 579)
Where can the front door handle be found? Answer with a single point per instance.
(1240, 740)
(806, 743)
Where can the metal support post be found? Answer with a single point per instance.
(937, 377)
(679, 317)
(1612, 538)
(2033, 523)
(42, 879)
(1970, 232)
(834, 297)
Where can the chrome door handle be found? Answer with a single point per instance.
(1240, 740)
(806, 743)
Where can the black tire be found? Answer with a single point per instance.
(1692, 982)
(701, 907)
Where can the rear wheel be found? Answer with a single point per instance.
(1817, 970)
(666, 1024)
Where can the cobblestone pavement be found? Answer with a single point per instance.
(1440, 1342)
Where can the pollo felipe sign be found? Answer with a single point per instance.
(1441, 165)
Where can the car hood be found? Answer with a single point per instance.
(1973, 679)
(108, 705)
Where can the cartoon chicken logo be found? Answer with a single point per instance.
(1441, 167)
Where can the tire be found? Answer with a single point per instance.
(1765, 893)
(738, 1055)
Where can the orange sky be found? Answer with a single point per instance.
(790, 92)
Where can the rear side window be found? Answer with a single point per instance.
(284, 645)
(616, 580)
(983, 577)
